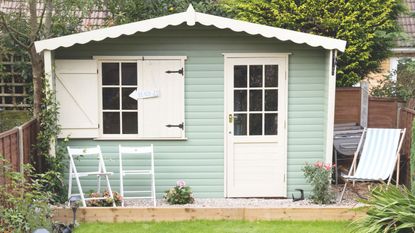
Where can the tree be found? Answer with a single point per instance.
(369, 27)
(30, 20)
(126, 11)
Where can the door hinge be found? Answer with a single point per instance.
(181, 126)
(175, 71)
(97, 71)
(285, 124)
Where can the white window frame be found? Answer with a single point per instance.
(138, 59)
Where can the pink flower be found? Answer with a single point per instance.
(327, 166)
(318, 164)
(180, 183)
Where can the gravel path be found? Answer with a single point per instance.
(239, 203)
(350, 200)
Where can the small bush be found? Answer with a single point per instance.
(391, 209)
(24, 205)
(107, 202)
(318, 175)
(179, 194)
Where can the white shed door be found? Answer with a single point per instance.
(168, 108)
(77, 94)
(255, 133)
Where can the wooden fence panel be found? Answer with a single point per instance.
(17, 152)
(383, 112)
(347, 108)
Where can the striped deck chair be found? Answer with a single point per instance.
(379, 156)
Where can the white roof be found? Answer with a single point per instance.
(191, 17)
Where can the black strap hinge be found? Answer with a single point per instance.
(181, 126)
(175, 71)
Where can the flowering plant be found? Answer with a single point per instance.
(179, 194)
(104, 202)
(318, 175)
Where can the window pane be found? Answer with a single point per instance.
(129, 73)
(271, 124)
(240, 76)
(239, 126)
(255, 124)
(127, 101)
(271, 76)
(129, 123)
(110, 98)
(271, 100)
(239, 103)
(255, 76)
(255, 100)
(110, 73)
(111, 122)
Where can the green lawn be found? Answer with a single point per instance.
(217, 227)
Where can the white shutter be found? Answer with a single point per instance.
(168, 107)
(77, 95)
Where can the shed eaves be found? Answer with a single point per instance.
(191, 17)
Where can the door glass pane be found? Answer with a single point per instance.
(127, 101)
(240, 76)
(271, 100)
(255, 100)
(110, 74)
(271, 76)
(255, 76)
(239, 103)
(239, 126)
(255, 124)
(110, 98)
(271, 124)
(129, 73)
(111, 122)
(129, 123)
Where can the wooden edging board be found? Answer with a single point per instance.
(119, 214)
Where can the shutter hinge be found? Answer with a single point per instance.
(175, 71)
(181, 126)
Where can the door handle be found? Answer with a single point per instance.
(230, 118)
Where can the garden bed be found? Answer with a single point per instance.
(176, 213)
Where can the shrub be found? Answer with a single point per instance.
(107, 202)
(24, 206)
(391, 209)
(179, 194)
(318, 175)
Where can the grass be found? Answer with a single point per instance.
(217, 227)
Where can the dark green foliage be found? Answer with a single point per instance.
(131, 10)
(24, 205)
(179, 194)
(404, 85)
(391, 209)
(368, 26)
(412, 159)
(318, 175)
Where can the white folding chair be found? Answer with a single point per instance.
(379, 156)
(145, 153)
(102, 171)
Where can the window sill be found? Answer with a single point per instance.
(137, 139)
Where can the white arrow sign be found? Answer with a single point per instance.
(143, 94)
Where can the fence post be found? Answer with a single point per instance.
(364, 103)
(21, 149)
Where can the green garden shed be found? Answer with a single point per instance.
(233, 108)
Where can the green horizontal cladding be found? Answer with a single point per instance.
(200, 159)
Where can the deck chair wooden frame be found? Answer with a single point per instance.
(74, 174)
(139, 151)
(395, 149)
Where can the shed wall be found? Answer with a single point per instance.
(200, 159)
